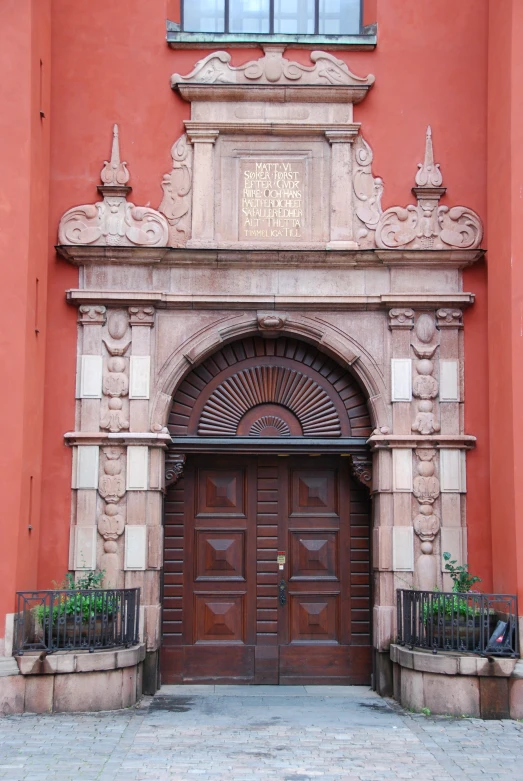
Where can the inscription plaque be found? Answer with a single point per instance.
(271, 200)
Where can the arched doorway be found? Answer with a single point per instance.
(267, 533)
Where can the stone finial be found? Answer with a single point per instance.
(113, 222)
(115, 173)
(429, 225)
(429, 174)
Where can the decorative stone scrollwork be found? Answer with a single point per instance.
(361, 469)
(91, 315)
(426, 522)
(113, 222)
(429, 225)
(367, 191)
(177, 185)
(272, 68)
(174, 465)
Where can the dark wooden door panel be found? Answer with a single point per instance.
(313, 555)
(226, 522)
(220, 555)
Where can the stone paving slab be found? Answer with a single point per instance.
(236, 733)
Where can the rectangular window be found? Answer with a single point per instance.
(204, 16)
(269, 17)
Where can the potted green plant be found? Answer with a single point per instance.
(79, 617)
(456, 620)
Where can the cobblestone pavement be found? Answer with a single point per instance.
(232, 733)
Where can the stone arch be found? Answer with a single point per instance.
(334, 343)
(278, 387)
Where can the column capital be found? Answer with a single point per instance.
(202, 136)
(401, 318)
(92, 315)
(346, 136)
(141, 315)
(450, 318)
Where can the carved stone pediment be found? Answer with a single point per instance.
(113, 222)
(273, 68)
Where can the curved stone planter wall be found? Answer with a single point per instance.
(78, 681)
(457, 685)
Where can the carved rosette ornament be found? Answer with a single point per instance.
(174, 465)
(113, 221)
(425, 387)
(426, 522)
(429, 225)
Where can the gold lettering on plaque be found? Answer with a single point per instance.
(272, 203)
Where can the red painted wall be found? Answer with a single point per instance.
(111, 64)
(24, 162)
(505, 231)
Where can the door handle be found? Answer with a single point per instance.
(283, 593)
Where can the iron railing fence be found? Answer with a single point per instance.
(66, 620)
(484, 624)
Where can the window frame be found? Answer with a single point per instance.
(226, 20)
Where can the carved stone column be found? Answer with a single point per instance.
(341, 221)
(203, 188)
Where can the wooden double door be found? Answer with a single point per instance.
(266, 573)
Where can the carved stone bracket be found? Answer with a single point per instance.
(361, 470)
(91, 315)
(174, 465)
(113, 221)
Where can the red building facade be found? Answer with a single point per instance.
(312, 381)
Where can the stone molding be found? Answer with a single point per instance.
(310, 303)
(232, 257)
(113, 221)
(393, 441)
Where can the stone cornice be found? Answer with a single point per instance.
(274, 93)
(122, 438)
(80, 255)
(273, 127)
(162, 300)
(437, 441)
